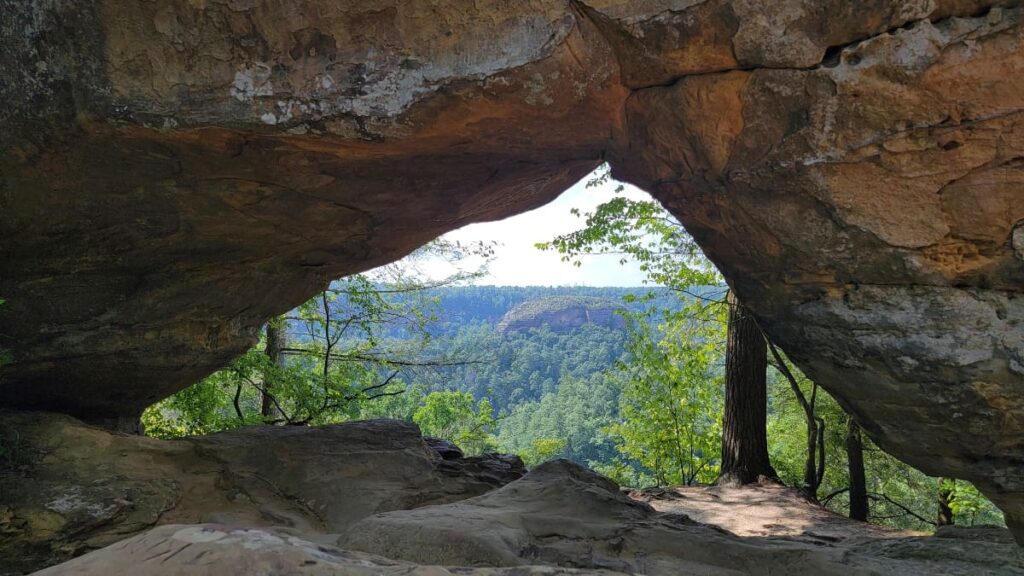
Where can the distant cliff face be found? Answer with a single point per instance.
(561, 313)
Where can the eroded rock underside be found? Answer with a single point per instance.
(173, 173)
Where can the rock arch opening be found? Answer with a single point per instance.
(876, 252)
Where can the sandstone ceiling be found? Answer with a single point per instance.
(173, 173)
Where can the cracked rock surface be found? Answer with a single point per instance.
(374, 497)
(174, 173)
(562, 514)
(73, 488)
(215, 550)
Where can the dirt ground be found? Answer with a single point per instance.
(763, 510)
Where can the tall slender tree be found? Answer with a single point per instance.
(644, 232)
(744, 437)
(276, 342)
(858, 481)
(945, 515)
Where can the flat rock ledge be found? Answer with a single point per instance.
(70, 488)
(216, 550)
(373, 497)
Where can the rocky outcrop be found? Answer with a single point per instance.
(876, 190)
(173, 173)
(214, 550)
(69, 488)
(561, 313)
(561, 514)
(558, 519)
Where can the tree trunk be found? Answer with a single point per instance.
(810, 468)
(858, 482)
(744, 438)
(276, 342)
(945, 517)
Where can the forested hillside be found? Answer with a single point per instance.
(458, 306)
(638, 401)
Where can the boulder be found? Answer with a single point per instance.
(561, 514)
(445, 449)
(361, 498)
(74, 488)
(215, 550)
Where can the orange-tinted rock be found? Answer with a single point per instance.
(173, 173)
(864, 208)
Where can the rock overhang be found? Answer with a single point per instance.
(173, 174)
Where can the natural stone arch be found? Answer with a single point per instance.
(173, 174)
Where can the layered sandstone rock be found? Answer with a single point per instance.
(214, 550)
(558, 519)
(875, 195)
(69, 488)
(173, 173)
(564, 515)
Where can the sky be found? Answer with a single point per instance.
(518, 262)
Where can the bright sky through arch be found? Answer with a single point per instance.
(518, 262)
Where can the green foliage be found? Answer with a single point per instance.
(203, 408)
(524, 365)
(574, 414)
(345, 347)
(900, 495)
(787, 427)
(543, 449)
(15, 451)
(452, 416)
(670, 408)
(671, 405)
(969, 505)
(644, 232)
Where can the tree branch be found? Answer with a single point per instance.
(374, 387)
(910, 512)
(238, 409)
(263, 390)
(342, 357)
(827, 499)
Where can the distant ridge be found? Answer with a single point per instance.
(560, 313)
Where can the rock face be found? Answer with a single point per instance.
(561, 313)
(876, 191)
(214, 550)
(558, 519)
(564, 515)
(73, 488)
(173, 173)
